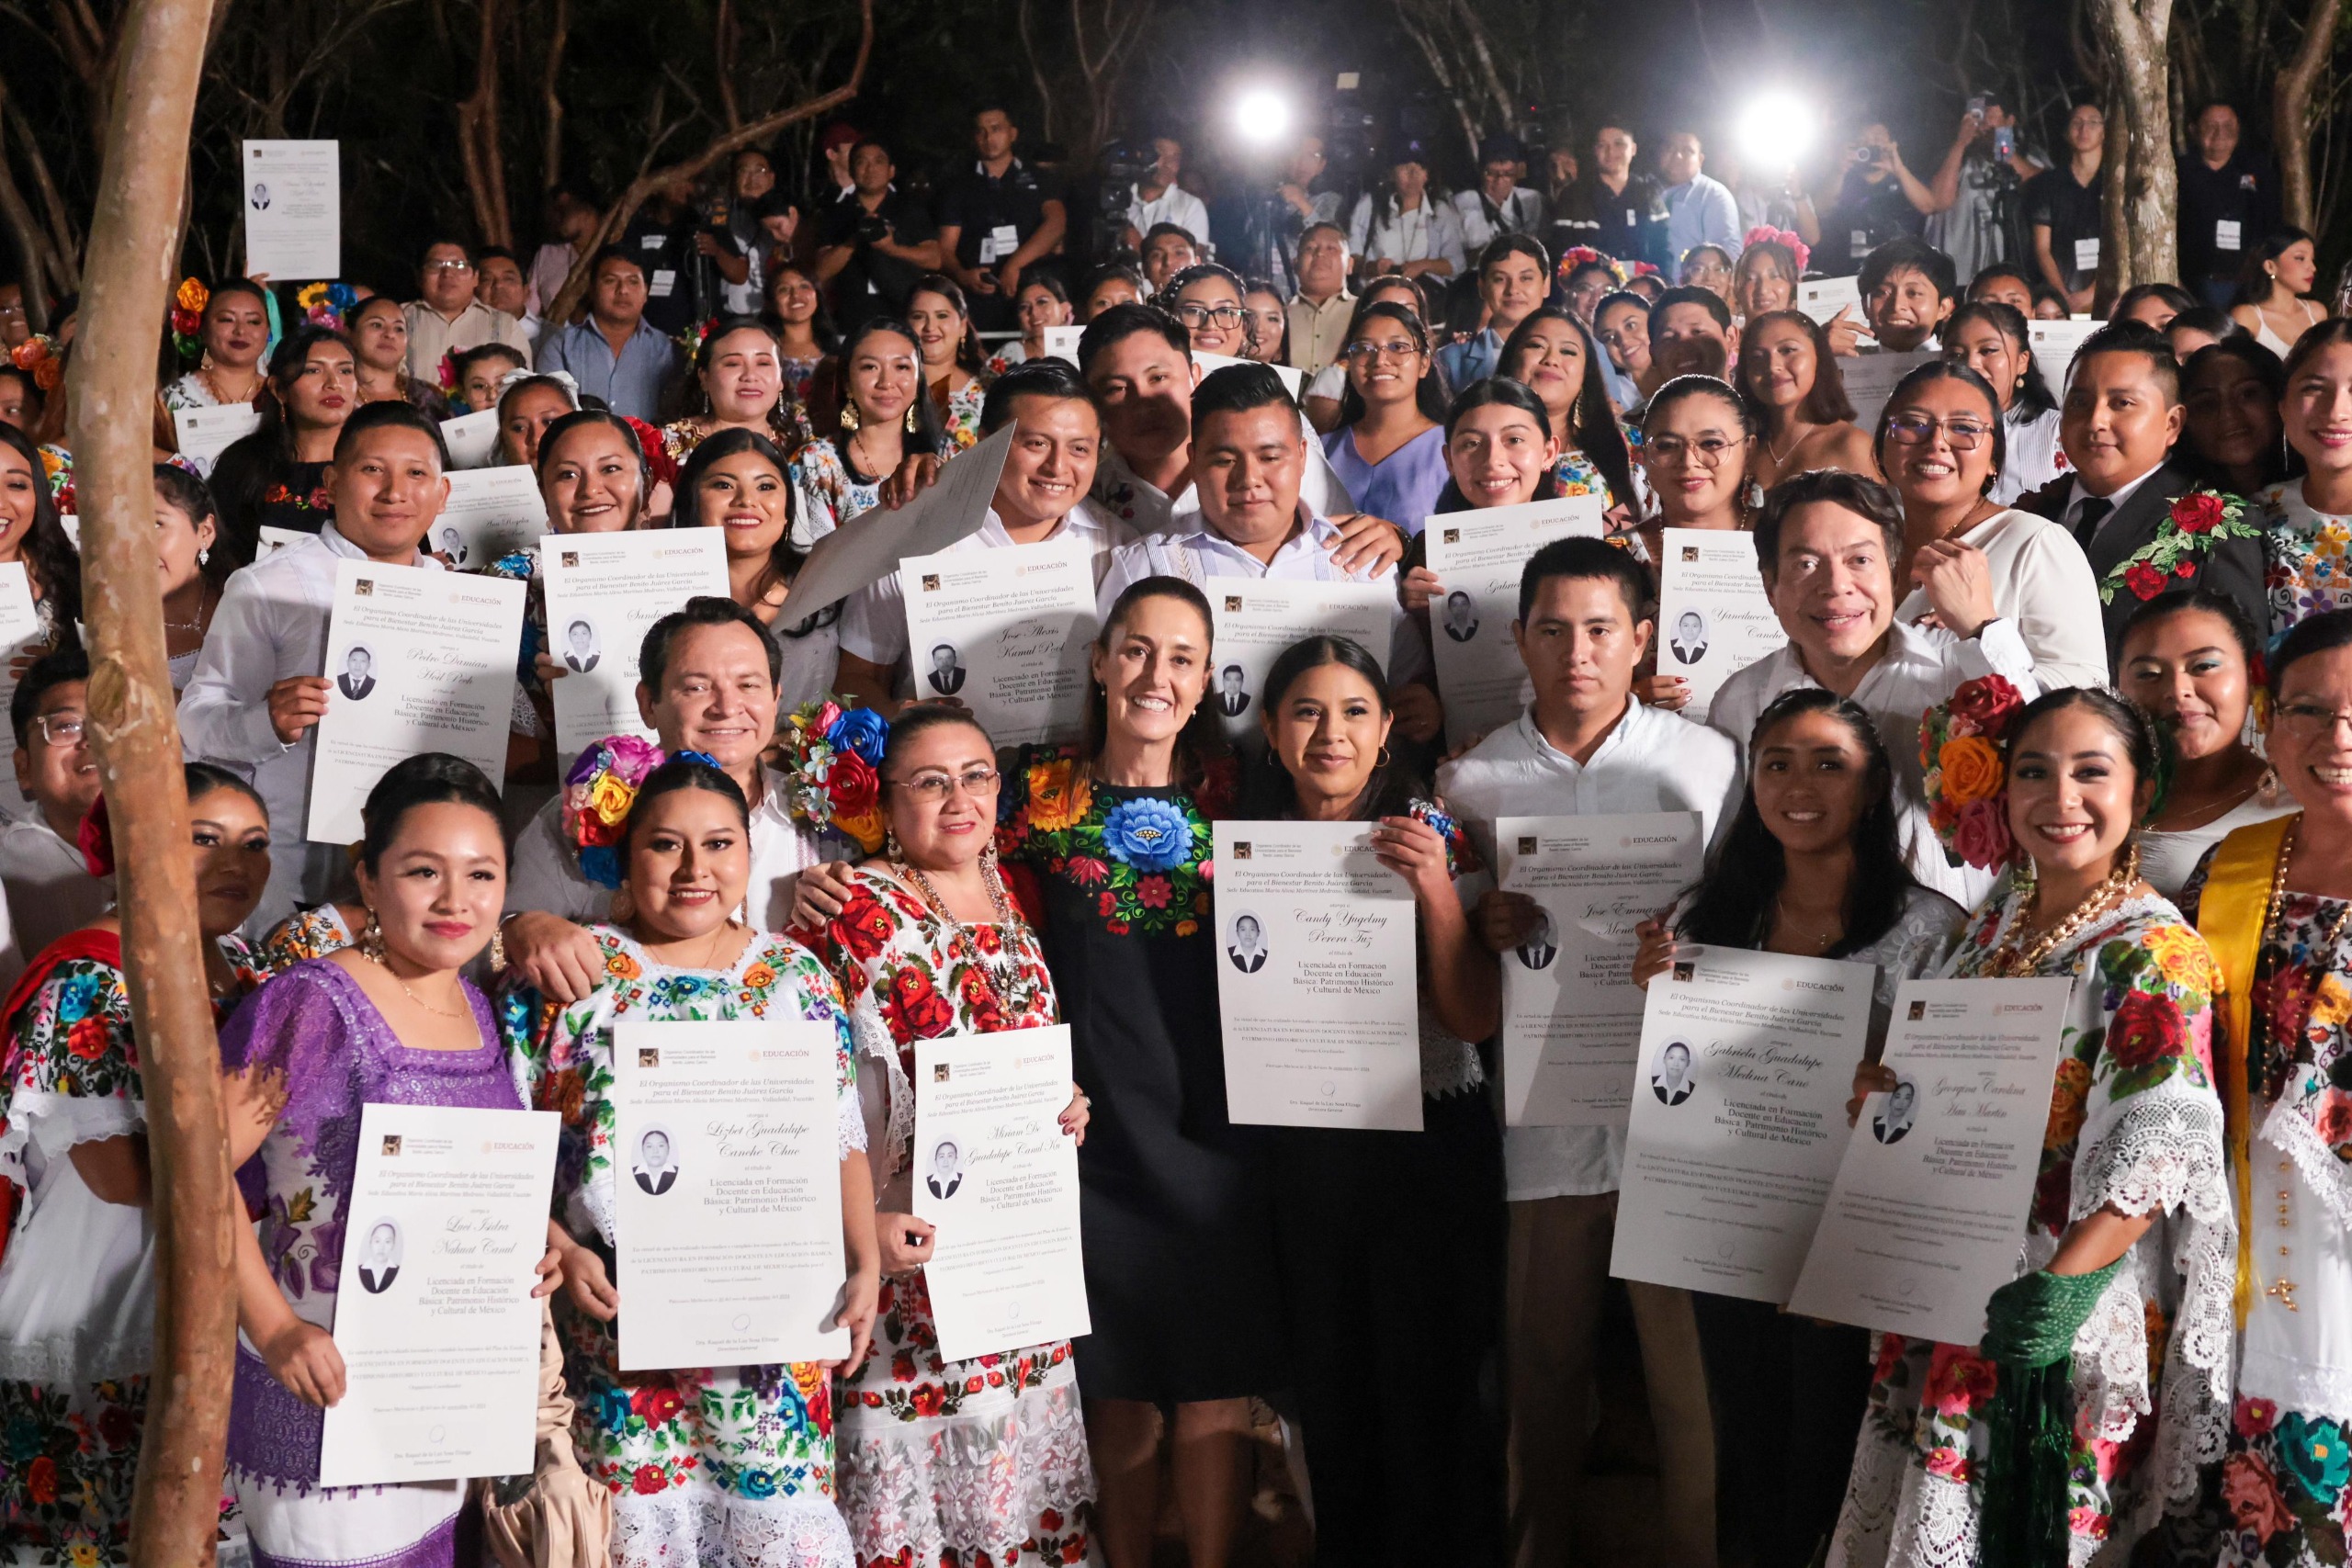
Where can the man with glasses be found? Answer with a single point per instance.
(50, 888)
(447, 318)
(1500, 205)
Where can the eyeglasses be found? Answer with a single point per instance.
(1201, 315)
(449, 266)
(1709, 448)
(1364, 352)
(1918, 430)
(934, 788)
(61, 728)
(2309, 721)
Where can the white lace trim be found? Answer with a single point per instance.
(872, 1038)
(76, 1358)
(2289, 1130)
(698, 1523)
(1873, 1491)
(1448, 1066)
(2297, 1385)
(957, 1487)
(58, 1122)
(1937, 1525)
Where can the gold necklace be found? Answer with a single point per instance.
(378, 960)
(1825, 938)
(2011, 962)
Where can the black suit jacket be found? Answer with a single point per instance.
(2233, 568)
(948, 682)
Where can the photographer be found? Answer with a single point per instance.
(1973, 219)
(681, 247)
(1878, 198)
(2061, 210)
(876, 243)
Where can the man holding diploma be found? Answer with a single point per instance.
(1585, 746)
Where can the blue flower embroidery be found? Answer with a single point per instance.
(612, 1409)
(78, 998)
(758, 1483)
(1147, 834)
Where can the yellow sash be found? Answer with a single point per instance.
(2231, 916)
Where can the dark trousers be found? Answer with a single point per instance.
(1789, 1396)
(1392, 1254)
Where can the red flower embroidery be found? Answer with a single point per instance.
(2144, 581)
(656, 1402)
(40, 1479)
(1106, 905)
(2146, 1030)
(1958, 1381)
(974, 1384)
(86, 1039)
(927, 1400)
(648, 1480)
(2054, 1197)
(1086, 871)
(919, 1008)
(1152, 892)
(864, 926)
(2198, 513)
(902, 1368)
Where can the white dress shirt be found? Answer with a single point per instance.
(1653, 760)
(1191, 550)
(432, 337)
(1521, 212)
(1919, 669)
(545, 874)
(51, 891)
(2035, 458)
(272, 625)
(1122, 496)
(1174, 205)
(1432, 231)
(2043, 582)
(873, 619)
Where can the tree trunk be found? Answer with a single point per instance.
(2142, 233)
(478, 150)
(641, 188)
(551, 98)
(2290, 111)
(124, 292)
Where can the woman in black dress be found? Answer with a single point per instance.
(275, 477)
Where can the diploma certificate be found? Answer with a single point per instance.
(205, 433)
(1713, 619)
(1572, 1015)
(1870, 379)
(2054, 345)
(1006, 633)
(444, 1228)
(1739, 1117)
(472, 439)
(1479, 557)
(1823, 298)
(1316, 986)
(1928, 1214)
(1251, 621)
(997, 1175)
(848, 558)
(603, 590)
(293, 211)
(1061, 342)
(418, 660)
(727, 1193)
(491, 512)
(1293, 379)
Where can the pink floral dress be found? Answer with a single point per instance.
(2134, 1123)
(976, 1464)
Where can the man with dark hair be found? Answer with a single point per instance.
(1699, 210)
(445, 317)
(2063, 210)
(2117, 425)
(1908, 288)
(1500, 204)
(875, 244)
(1827, 542)
(499, 283)
(682, 278)
(50, 888)
(1692, 334)
(1319, 312)
(706, 681)
(616, 353)
(1514, 276)
(2229, 202)
(1167, 249)
(1586, 746)
(1157, 198)
(1613, 208)
(997, 220)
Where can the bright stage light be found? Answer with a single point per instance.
(1261, 116)
(1776, 130)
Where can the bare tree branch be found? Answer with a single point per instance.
(2292, 110)
(478, 148)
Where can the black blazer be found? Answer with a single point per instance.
(2233, 568)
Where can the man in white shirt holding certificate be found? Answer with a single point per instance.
(259, 688)
(1829, 541)
(1586, 747)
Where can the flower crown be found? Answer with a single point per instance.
(832, 761)
(1575, 256)
(1961, 746)
(188, 319)
(2199, 520)
(599, 792)
(38, 355)
(327, 304)
(1764, 233)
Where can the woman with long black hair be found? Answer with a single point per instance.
(1989, 337)
(1389, 449)
(1810, 865)
(884, 414)
(1554, 354)
(277, 475)
(739, 482)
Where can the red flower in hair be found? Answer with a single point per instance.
(660, 465)
(96, 839)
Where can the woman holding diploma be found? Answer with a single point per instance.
(1698, 441)
(2188, 661)
(391, 1021)
(742, 1455)
(1810, 865)
(1553, 355)
(30, 533)
(77, 1285)
(1942, 443)
(1966, 1453)
(944, 1461)
(1391, 1243)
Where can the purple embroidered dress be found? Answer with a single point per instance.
(315, 1024)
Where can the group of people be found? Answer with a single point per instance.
(2128, 583)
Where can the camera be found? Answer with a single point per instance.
(1865, 157)
(873, 228)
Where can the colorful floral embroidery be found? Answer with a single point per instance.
(1144, 858)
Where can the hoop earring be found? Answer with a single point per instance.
(1382, 760)
(851, 419)
(912, 426)
(371, 938)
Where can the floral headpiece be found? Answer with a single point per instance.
(57, 467)
(327, 304)
(694, 337)
(564, 378)
(1575, 256)
(1764, 233)
(660, 467)
(597, 794)
(2199, 520)
(831, 763)
(444, 375)
(188, 319)
(38, 356)
(1961, 746)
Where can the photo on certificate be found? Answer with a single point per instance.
(1318, 992)
(1715, 619)
(998, 1176)
(1007, 633)
(1572, 1015)
(1738, 1126)
(293, 211)
(604, 592)
(1479, 557)
(491, 512)
(1928, 1213)
(434, 1318)
(1253, 619)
